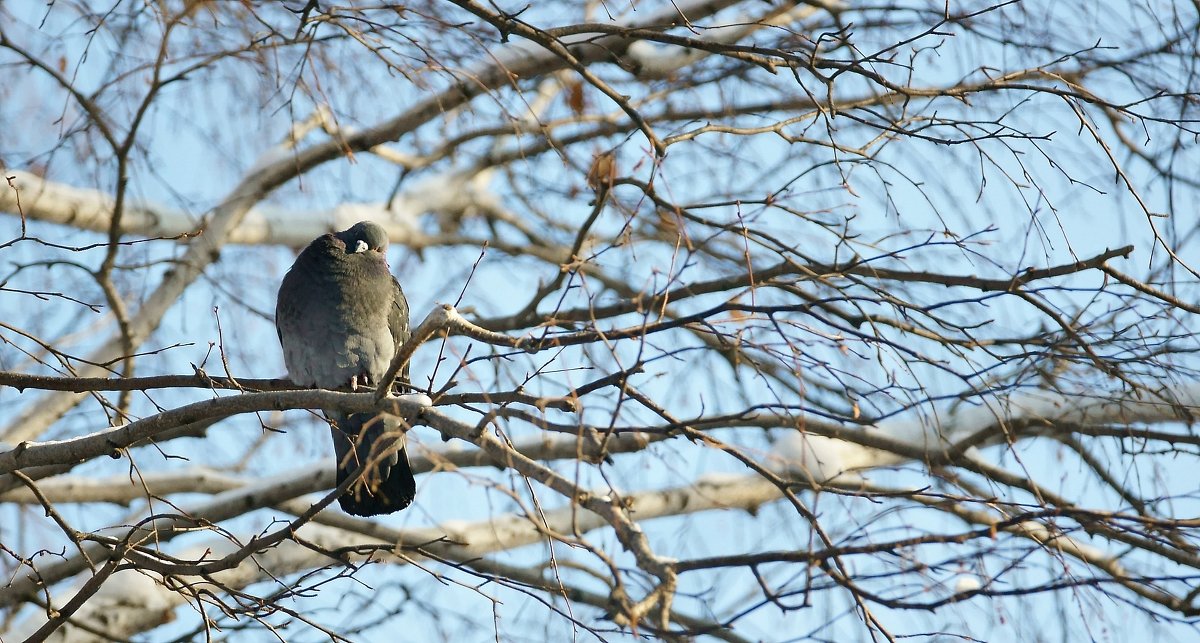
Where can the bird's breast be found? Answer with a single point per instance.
(334, 320)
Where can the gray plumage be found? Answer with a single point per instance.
(340, 317)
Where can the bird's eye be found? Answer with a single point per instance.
(360, 246)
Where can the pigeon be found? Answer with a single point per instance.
(341, 316)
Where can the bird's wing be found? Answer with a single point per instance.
(398, 322)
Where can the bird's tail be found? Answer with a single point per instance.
(386, 484)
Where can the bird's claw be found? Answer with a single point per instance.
(362, 379)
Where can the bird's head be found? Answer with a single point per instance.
(364, 236)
